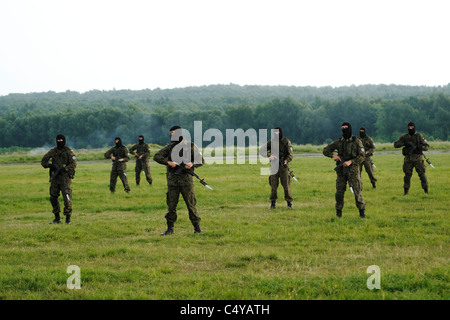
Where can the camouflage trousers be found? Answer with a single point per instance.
(143, 166)
(121, 173)
(56, 188)
(173, 195)
(369, 169)
(341, 186)
(408, 166)
(281, 176)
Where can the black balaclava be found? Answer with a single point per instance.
(347, 133)
(362, 134)
(173, 129)
(281, 132)
(141, 139)
(60, 144)
(118, 144)
(413, 130)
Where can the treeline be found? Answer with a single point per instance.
(314, 121)
(201, 98)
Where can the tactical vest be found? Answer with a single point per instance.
(62, 158)
(408, 149)
(348, 149)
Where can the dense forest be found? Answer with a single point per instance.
(306, 114)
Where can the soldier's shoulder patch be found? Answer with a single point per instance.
(74, 158)
(362, 149)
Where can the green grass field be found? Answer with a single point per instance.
(245, 252)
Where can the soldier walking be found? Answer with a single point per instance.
(141, 151)
(413, 144)
(179, 181)
(282, 175)
(119, 155)
(62, 171)
(369, 147)
(350, 156)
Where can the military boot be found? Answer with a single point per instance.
(68, 220)
(425, 190)
(406, 191)
(374, 185)
(197, 227)
(272, 205)
(362, 213)
(169, 229)
(289, 204)
(338, 213)
(57, 219)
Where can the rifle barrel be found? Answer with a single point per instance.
(192, 173)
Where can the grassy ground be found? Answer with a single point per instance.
(245, 252)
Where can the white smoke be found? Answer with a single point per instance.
(40, 150)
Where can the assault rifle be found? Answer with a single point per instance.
(182, 169)
(291, 173)
(59, 171)
(370, 159)
(413, 148)
(142, 163)
(346, 170)
(120, 163)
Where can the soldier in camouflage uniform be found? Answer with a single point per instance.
(351, 151)
(119, 155)
(286, 156)
(369, 148)
(142, 151)
(62, 171)
(413, 144)
(180, 182)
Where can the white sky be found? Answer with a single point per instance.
(81, 45)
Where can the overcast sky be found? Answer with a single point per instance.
(59, 45)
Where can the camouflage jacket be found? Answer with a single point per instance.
(165, 154)
(412, 145)
(141, 149)
(285, 149)
(118, 152)
(348, 149)
(64, 157)
(368, 144)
